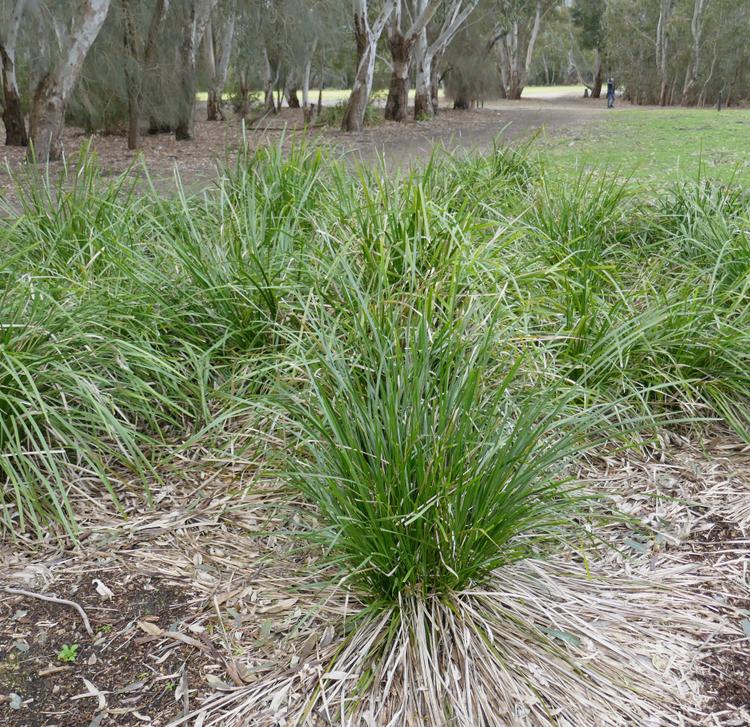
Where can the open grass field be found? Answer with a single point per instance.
(661, 145)
(462, 445)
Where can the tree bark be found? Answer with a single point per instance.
(428, 54)
(514, 72)
(15, 126)
(133, 77)
(292, 97)
(48, 109)
(366, 37)
(197, 15)
(693, 69)
(219, 67)
(308, 108)
(662, 49)
(398, 91)
(596, 88)
(269, 81)
(401, 45)
(423, 87)
(150, 56)
(435, 83)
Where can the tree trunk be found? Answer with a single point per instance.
(398, 91)
(198, 13)
(308, 109)
(244, 95)
(662, 49)
(220, 67)
(48, 109)
(354, 115)
(435, 83)
(709, 78)
(693, 69)
(423, 87)
(596, 88)
(513, 71)
(185, 127)
(292, 98)
(320, 86)
(150, 57)
(133, 77)
(213, 105)
(15, 126)
(269, 81)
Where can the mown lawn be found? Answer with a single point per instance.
(655, 145)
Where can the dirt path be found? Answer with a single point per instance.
(477, 130)
(399, 144)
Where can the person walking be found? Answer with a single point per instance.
(611, 93)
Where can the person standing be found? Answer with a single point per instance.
(610, 93)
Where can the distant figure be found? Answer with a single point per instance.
(611, 93)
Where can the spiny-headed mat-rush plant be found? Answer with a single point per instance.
(434, 469)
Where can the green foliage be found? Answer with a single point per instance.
(430, 466)
(68, 653)
(475, 296)
(588, 16)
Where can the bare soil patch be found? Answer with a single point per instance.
(119, 669)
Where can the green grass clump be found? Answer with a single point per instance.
(133, 324)
(429, 463)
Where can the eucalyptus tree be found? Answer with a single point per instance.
(76, 34)
(679, 51)
(367, 33)
(193, 17)
(10, 25)
(692, 72)
(218, 42)
(588, 17)
(430, 47)
(401, 41)
(142, 22)
(517, 31)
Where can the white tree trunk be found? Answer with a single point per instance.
(48, 110)
(532, 41)
(425, 54)
(518, 39)
(694, 66)
(307, 107)
(269, 81)
(15, 126)
(218, 64)
(367, 37)
(423, 75)
(662, 49)
(197, 14)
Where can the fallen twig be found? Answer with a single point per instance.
(53, 599)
